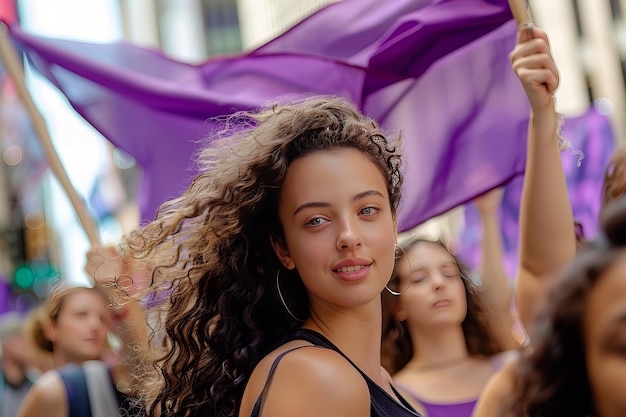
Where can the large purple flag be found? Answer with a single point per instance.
(592, 144)
(436, 69)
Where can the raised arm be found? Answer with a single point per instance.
(112, 276)
(495, 290)
(547, 237)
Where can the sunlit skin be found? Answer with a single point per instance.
(80, 330)
(605, 341)
(339, 229)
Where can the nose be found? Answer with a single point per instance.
(438, 280)
(349, 235)
(96, 322)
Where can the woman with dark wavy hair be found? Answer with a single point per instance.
(267, 273)
(577, 364)
(445, 335)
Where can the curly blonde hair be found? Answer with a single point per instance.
(214, 308)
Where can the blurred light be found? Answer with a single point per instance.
(604, 106)
(122, 159)
(25, 302)
(34, 219)
(24, 277)
(12, 155)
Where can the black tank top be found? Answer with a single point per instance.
(381, 403)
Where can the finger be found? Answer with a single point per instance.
(536, 61)
(538, 79)
(525, 32)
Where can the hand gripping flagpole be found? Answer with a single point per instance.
(15, 70)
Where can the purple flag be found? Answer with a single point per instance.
(437, 70)
(592, 144)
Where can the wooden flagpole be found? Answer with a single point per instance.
(520, 11)
(15, 70)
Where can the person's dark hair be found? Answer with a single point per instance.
(397, 346)
(213, 265)
(552, 378)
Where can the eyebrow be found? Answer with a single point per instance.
(359, 196)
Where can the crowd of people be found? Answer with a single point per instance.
(278, 285)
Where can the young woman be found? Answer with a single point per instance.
(448, 349)
(72, 325)
(268, 271)
(72, 328)
(445, 335)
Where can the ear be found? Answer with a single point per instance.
(282, 252)
(50, 331)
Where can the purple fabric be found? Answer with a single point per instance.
(592, 143)
(436, 69)
(7, 298)
(446, 410)
(458, 409)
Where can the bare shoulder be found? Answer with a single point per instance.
(498, 396)
(46, 398)
(309, 381)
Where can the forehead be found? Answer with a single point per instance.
(84, 298)
(424, 255)
(427, 253)
(323, 175)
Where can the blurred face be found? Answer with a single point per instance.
(605, 341)
(80, 331)
(339, 228)
(436, 295)
(15, 349)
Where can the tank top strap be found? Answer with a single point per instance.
(382, 404)
(257, 405)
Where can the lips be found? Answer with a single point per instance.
(444, 302)
(352, 269)
(351, 264)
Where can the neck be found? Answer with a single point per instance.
(356, 332)
(442, 346)
(59, 359)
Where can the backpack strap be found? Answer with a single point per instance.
(103, 400)
(73, 378)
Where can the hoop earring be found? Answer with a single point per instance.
(282, 300)
(397, 248)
